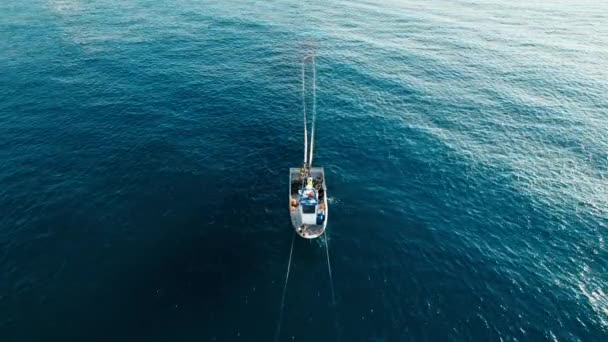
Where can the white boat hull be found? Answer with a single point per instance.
(308, 225)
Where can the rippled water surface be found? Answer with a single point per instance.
(144, 149)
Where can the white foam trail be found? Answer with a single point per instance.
(314, 107)
(304, 108)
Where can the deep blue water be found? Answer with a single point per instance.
(144, 149)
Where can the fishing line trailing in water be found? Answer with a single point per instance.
(331, 284)
(331, 279)
(278, 331)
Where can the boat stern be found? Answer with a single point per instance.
(310, 231)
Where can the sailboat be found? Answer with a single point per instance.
(307, 187)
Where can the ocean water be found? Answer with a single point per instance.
(144, 150)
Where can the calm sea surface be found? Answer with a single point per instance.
(144, 149)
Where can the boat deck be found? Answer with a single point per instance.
(308, 231)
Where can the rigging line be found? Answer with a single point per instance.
(314, 106)
(278, 331)
(304, 107)
(331, 283)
